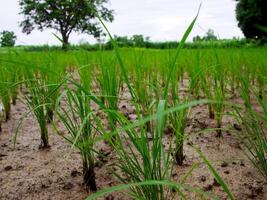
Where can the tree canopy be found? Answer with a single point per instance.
(7, 38)
(252, 18)
(210, 36)
(65, 16)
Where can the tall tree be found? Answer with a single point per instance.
(7, 38)
(210, 36)
(138, 40)
(251, 16)
(65, 16)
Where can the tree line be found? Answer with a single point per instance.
(85, 16)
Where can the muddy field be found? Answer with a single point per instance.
(27, 172)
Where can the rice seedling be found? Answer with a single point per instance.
(15, 76)
(219, 95)
(214, 87)
(254, 125)
(141, 160)
(146, 165)
(5, 92)
(110, 84)
(145, 84)
(36, 101)
(77, 118)
(39, 112)
(178, 123)
(38, 97)
(194, 72)
(178, 119)
(52, 76)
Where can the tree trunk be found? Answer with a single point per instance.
(89, 177)
(65, 41)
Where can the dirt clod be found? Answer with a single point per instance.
(8, 168)
(2, 155)
(109, 197)
(68, 186)
(227, 172)
(75, 173)
(224, 164)
(208, 187)
(202, 178)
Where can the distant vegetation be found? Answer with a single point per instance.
(129, 42)
(7, 39)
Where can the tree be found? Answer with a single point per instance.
(197, 39)
(8, 39)
(65, 16)
(123, 41)
(210, 36)
(138, 40)
(251, 14)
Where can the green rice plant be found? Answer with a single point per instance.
(261, 73)
(176, 186)
(51, 68)
(37, 98)
(5, 94)
(14, 75)
(219, 107)
(146, 165)
(178, 123)
(173, 61)
(145, 84)
(254, 125)
(194, 72)
(110, 84)
(141, 159)
(15, 79)
(119, 58)
(214, 88)
(8, 86)
(254, 140)
(177, 119)
(219, 92)
(77, 117)
(206, 87)
(36, 101)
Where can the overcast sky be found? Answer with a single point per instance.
(159, 19)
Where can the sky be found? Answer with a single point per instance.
(159, 19)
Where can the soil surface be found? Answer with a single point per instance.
(27, 172)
